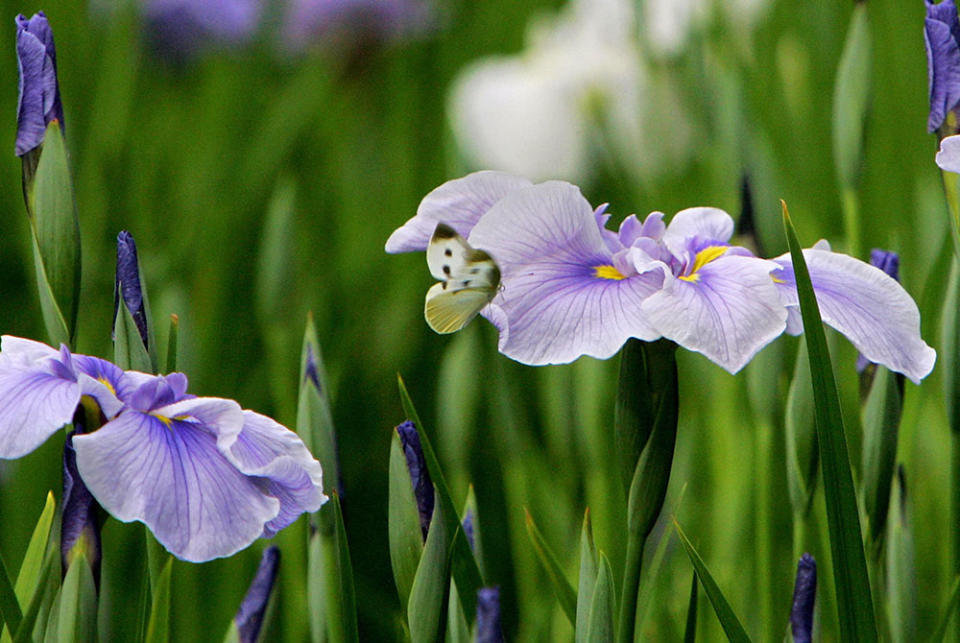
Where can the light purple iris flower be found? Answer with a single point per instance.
(206, 476)
(941, 35)
(181, 28)
(323, 21)
(571, 287)
(38, 102)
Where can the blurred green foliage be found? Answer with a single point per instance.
(189, 158)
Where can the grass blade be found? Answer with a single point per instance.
(852, 584)
(561, 586)
(728, 619)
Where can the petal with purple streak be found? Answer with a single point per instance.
(282, 465)
(728, 314)
(552, 307)
(171, 475)
(459, 203)
(941, 30)
(872, 309)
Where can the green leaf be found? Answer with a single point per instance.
(458, 630)
(233, 634)
(561, 586)
(172, 336)
(273, 273)
(651, 475)
(728, 619)
(602, 605)
(31, 569)
(53, 319)
(690, 633)
(463, 564)
(55, 226)
(425, 609)
(157, 557)
(953, 603)
(851, 97)
(881, 423)
(158, 631)
(588, 578)
(901, 577)
(344, 603)
(41, 599)
(77, 614)
(9, 606)
(314, 418)
(854, 603)
(801, 435)
(403, 523)
(128, 350)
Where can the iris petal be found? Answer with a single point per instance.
(174, 478)
(872, 309)
(459, 203)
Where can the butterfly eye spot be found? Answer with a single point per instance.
(474, 271)
(466, 284)
(446, 270)
(448, 252)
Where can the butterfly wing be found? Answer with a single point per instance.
(447, 311)
(469, 280)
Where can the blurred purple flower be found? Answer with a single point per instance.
(249, 618)
(352, 22)
(571, 287)
(38, 103)
(941, 35)
(488, 616)
(179, 29)
(206, 476)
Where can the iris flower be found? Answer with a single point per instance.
(571, 287)
(941, 35)
(38, 102)
(206, 476)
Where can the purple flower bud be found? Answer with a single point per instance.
(80, 527)
(468, 529)
(941, 34)
(180, 29)
(310, 370)
(249, 618)
(128, 284)
(804, 596)
(488, 616)
(419, 476)
(38, 103)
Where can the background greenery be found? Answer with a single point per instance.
(259, 188)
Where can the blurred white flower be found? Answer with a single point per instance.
(539, 113)
(669, 24)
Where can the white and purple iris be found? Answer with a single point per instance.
(207, 477)
(571, 287)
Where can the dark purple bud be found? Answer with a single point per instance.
(419, 476)
(39, 98)
(180, 29)
(804, 595)
(128, 284)
(310, 370)
(468, 529)
(941, 34)
(488, 615)
(249, 618)
(889, 262)
(80, 526)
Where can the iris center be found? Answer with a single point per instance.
(607, 272)
(704, 257)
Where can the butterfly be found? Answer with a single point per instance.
(469, 279)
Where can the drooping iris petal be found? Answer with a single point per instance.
(948, 157)
(164, 468)
(941, 32)
(553, 306)
(874, 311)
(728, 312)
(706, 223)
(459, 203)
(281, 464)
(38, 394)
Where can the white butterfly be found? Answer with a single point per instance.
(469, 279)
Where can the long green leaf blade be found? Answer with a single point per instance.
(854, 602)
(9, 606)
(561, 586)
(728, 619)
(158, 631)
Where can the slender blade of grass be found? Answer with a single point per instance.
(854, 602)
(561, 586)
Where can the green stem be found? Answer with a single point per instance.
(851, 220)
(631, 587)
